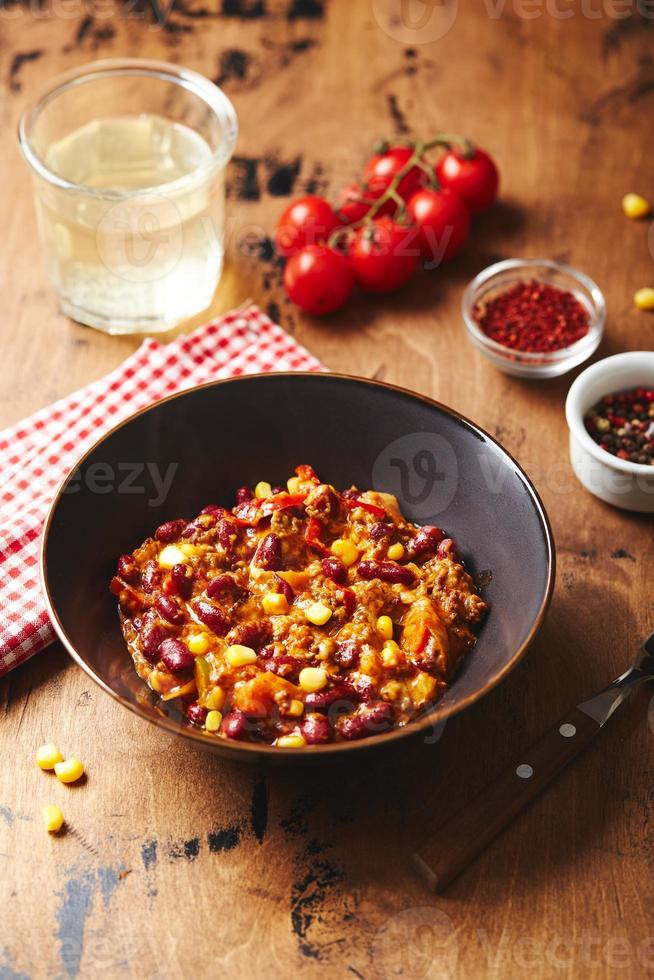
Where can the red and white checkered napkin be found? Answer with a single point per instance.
(37, 453)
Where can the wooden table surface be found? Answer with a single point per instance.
(179, 865)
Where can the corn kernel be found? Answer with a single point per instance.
(274, 603)
(190, 550)
(293, 484)
(290, 742)
(318, 613)
(172, 555)
(312, 679)
(295, 708)
(391, 654)
(346, 551)
(53, 818)
(69, 771)
(396, 551)
(213, 700)
(212, 721)
(47, 756)
(262, 490)
(644, 299)
(198, 643)
(369, 662)
(635, 206)
(385, 627)
(239, 656)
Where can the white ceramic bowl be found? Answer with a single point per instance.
(616, 481)
(501, 276)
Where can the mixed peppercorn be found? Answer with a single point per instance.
(533, 317)
(299, 616)
(623, 424)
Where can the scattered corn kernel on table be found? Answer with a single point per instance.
(176, 864)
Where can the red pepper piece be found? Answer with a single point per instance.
(250, 512)
(349, 601)
(424, 639)
(312, 536)
(352, 502)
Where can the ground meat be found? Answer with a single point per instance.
(272, 621)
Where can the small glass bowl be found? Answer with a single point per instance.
(501, 276)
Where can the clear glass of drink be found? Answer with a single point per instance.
(128, 162)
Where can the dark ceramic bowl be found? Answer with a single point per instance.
(199, 446)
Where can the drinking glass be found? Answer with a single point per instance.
(128, 163)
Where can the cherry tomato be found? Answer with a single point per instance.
(349, 207)
(308, 220)
(382, 168)
(476, 179)
(443, 220)
(319, 279)
(384, 255)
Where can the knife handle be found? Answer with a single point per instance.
(466, 834)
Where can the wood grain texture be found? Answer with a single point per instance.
(178, 865)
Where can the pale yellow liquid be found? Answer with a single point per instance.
(145, 259)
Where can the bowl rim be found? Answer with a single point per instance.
(540, 359)
(432, 717)
(574, 416)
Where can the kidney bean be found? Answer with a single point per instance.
(323, 700)
(369, 721)
(170, 610)
(284, 665)
(278, 488)
(212, 617)
(215, 510)
(316, 729)
(223, 583)
(347, 654)
(426, 540)
(335, 570)
(234, 725)
(269, 553)
(285, 589)
(152, 636)
(378, 531)
(226, 531)
(254, 635)
(387, 571)
(365, 688)
(170, 531)
(152, 577)
(181, 580)
(176, 656)
(127, 569)
(243, 494)
(446, 549)
(196, 713)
